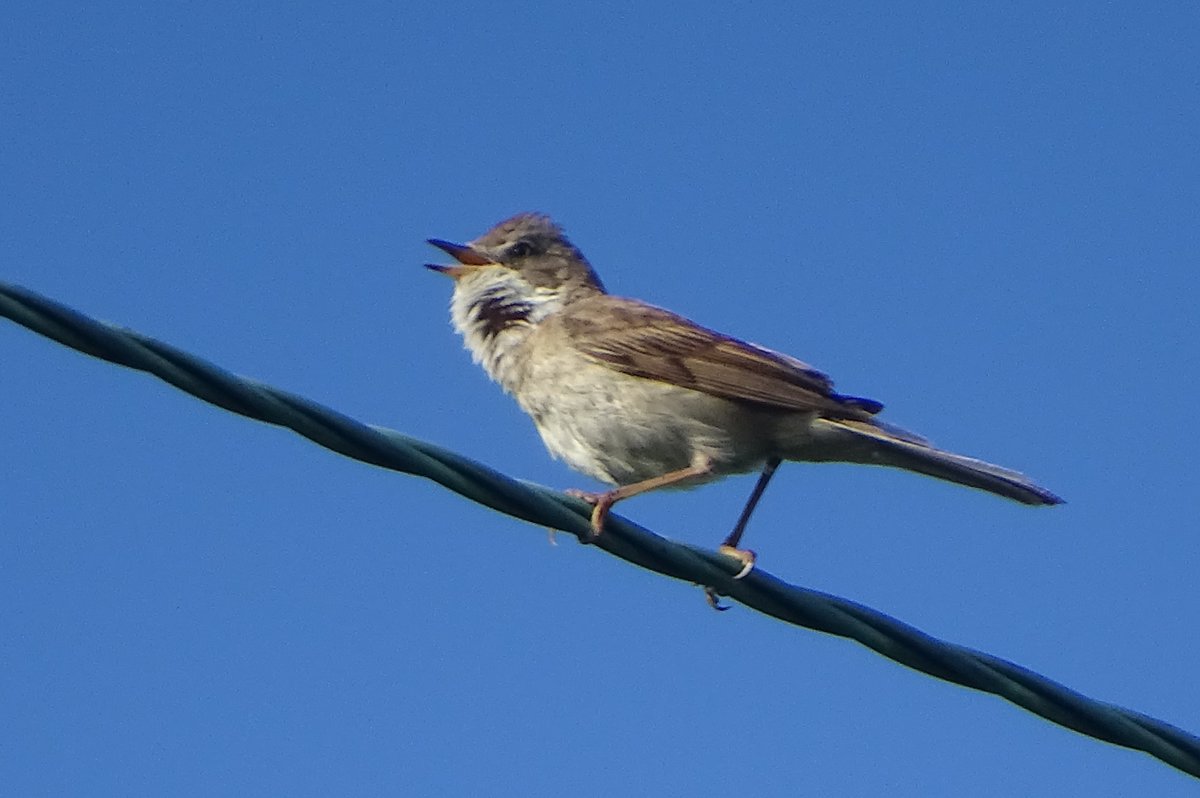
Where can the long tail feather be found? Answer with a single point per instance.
(873, 443)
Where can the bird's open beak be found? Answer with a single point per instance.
(468, 258)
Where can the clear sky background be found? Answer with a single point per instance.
(986, 219)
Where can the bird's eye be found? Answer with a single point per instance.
(520, 249)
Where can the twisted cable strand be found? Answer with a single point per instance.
(759, 590)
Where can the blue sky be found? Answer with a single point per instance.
(985, 218)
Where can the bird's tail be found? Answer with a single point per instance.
(875, 443)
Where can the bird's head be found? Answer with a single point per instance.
(508, 281)
(527, 257)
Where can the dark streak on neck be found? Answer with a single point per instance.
(497, 315)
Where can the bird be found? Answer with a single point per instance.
(642, 399)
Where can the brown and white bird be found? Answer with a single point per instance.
(641, 398)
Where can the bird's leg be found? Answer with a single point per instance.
(730, 545)
(603, 502)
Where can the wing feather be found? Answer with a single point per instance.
(649, 342)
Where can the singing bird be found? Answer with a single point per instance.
(642, 398)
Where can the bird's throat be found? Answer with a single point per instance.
(495, 318)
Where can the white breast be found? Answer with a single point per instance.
(622, 429)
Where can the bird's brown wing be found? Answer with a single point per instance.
(649, 342)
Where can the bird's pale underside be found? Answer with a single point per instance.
(642, 399)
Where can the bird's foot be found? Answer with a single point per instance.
(747, 559)
(745, 556)
(601, 504)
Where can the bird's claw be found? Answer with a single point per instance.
(745, 556)
(714, 600)
(747, 559)
(601, 502)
